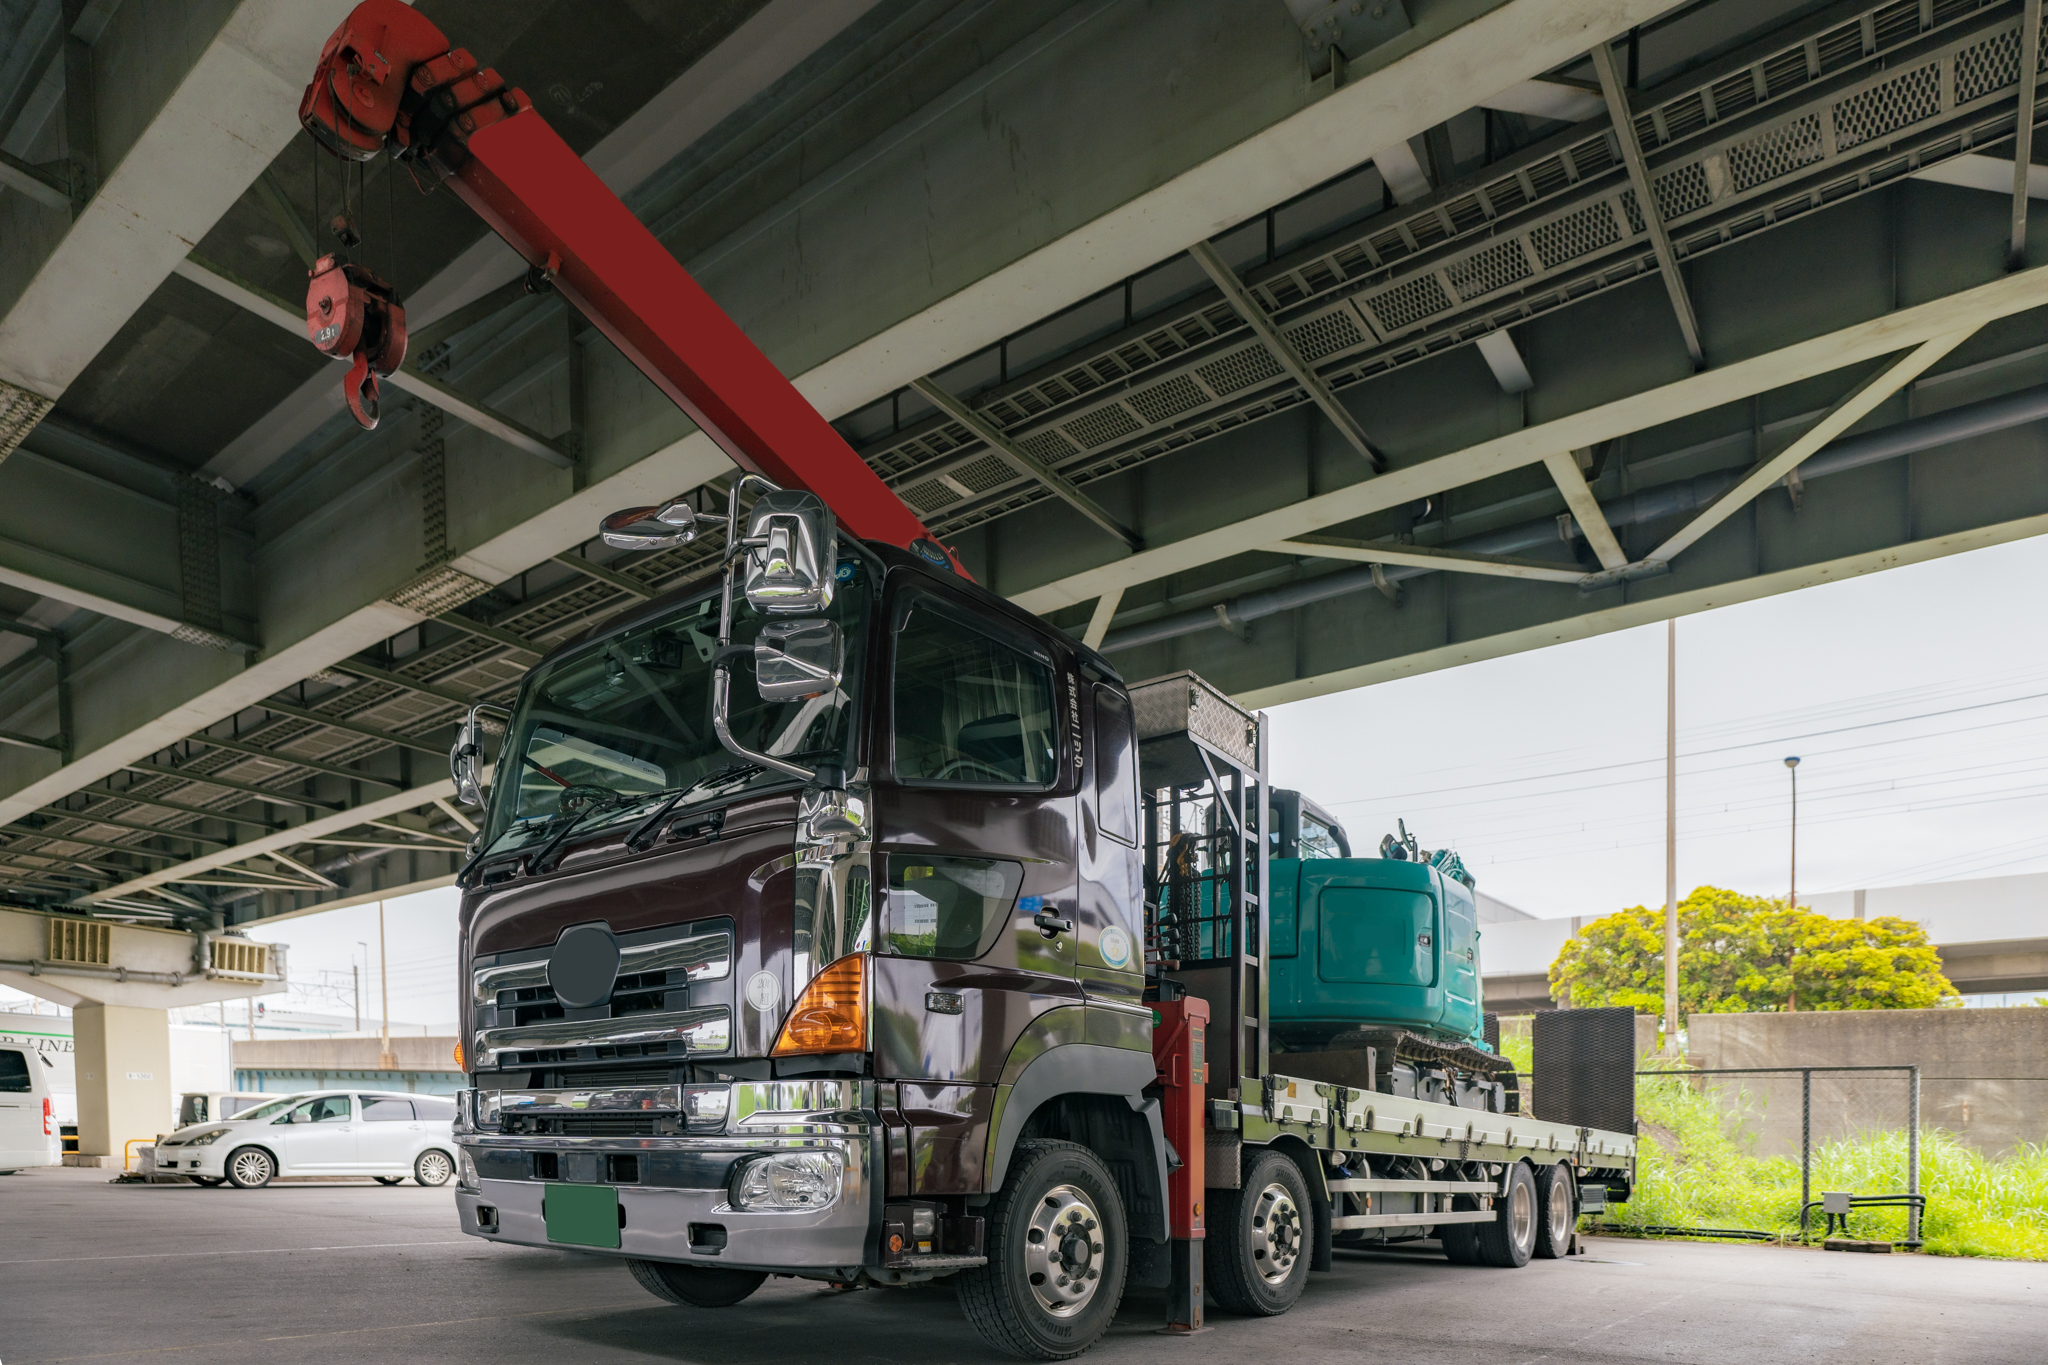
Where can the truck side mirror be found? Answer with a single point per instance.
(466, 755)
(650, 528)
(798, 659)
(791, 553)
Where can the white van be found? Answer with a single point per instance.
(28, 1121)
(211, 1106)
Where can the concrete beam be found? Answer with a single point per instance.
(147, 955)
(206, 105)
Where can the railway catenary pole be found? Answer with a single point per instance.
(1671, 836)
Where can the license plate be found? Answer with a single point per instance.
(581, 1215)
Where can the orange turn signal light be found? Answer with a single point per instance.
(832, 1013)
(458, 1055)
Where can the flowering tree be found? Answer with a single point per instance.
(1740, 953)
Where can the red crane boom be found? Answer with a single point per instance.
(389, 78)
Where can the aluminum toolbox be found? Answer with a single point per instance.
(1170, 710)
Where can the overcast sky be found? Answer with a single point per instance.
(1916, 698)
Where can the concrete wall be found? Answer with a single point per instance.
(1984, 1072)
(343, 1054)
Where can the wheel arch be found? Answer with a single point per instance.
(1094, 1095)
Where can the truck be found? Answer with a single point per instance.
(833, 917)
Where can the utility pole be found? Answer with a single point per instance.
(1792, 893)
(1671, 836)
(355, 978)
(384, 1057)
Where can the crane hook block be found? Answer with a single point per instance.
(350, 312)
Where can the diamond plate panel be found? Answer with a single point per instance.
(1575, 234)
(1407, 304)
(1167, 400)
(1886, 108)
(1100, 427)
(1483, 272)
(1325, 335)
(1240, 369)
(1777, 152)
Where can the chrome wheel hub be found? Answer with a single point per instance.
(1561, 1212)
(434, 1168)
(1522, 1216)
(253, 1167)
(1276, 1233)
(1063, 1251)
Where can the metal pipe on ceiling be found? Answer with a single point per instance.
(1634, 509)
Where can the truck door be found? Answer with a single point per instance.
(1461, 958)
(1110, 953)
(977, 769)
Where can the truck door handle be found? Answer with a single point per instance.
(1050, 924)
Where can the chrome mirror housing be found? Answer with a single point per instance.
(466, 755)
(798, 659)
(671, 524)
(792, 553)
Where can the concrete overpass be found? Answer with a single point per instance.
(1298, 347)
(1991, 932)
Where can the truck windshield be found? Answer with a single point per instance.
(624, 723)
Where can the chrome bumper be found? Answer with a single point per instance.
(832, 1242)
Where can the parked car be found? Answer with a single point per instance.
(203, 1106)
(28, 1121)
(379, 1133)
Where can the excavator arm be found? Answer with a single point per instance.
(389, 79)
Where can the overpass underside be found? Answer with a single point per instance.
(1301, 371)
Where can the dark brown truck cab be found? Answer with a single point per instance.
(723, 1020)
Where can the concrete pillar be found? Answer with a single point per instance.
(124, 1076)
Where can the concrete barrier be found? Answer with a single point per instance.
(1983, 1072)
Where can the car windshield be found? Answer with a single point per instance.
(610, 731)
(270, 1110)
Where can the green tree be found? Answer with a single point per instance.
(1740, 953)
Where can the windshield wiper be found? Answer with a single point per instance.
(642, 833)
(538, 863)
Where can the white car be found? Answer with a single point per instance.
(382, 1134)
(28, 1121)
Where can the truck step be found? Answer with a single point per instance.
(1406, 1220)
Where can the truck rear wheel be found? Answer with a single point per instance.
(1461, 1240)
(1557, 1200)
(1057, 1252)
(1510, 1239)
(1256, 1253)
(698, 1286)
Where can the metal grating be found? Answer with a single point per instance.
(1048, 446)
(1897, 103)
(1583, 1065)
(1242, 368)
(1575, 234)
(1334, 331)
(1776, 153)
(1167, 400)
(1488, 271)
(1987, 66)
(1404, 305)
(1683, 190)
(927, 497)
(983, 474)
(1101, 426)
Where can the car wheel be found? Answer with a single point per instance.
(389, 1179)
(433, 1168)
(1557, 1203)
(697, 1286)
(208, 1182)
(250, 1168)
(1057, 1254)
(1510, 1239)
(1259, 1235)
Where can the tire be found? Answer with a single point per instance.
(250, 1168)
(1557, 1210)
(1256, 1254)
(433, 1167)
(389, 1179)
(1461, 1240)
(1058, 1249)
(1509, 1240)
(209, 1182)
(696, 1286)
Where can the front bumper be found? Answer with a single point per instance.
(208, 1160)
(689, 1217)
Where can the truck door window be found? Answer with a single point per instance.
(952, 908)
(970, 710)
(1116, 771)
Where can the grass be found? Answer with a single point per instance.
(1694, 1169)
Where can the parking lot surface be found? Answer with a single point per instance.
(348, 1270)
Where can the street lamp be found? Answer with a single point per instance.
(1792, 896)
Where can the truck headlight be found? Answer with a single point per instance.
(787, 1182)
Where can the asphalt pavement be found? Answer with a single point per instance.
(352, 1271)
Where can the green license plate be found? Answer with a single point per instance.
(581, 1215)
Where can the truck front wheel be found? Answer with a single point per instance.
(696, 1285)
(1257, 1250)
(1057, 1250)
